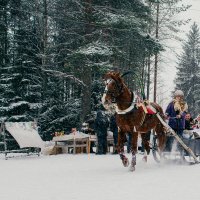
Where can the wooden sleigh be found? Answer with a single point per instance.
(24, 138)
(187, 149)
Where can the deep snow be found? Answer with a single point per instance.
(96, 177)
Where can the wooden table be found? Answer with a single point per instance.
(73, 141)
(80, 140)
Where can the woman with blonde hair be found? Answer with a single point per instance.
(176, 111)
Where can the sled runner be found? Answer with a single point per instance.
(182, 149)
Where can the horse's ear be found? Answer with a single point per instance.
(112, 75)
(107, 75)
(117, 74)
(126, 73)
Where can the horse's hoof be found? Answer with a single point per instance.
(125, 162)
(132, 168)
(144, 159)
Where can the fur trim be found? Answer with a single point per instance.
(180, 106)
(178, 93)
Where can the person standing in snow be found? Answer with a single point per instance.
(101, 125)
(175, 112)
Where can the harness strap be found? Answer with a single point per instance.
(130, 108)
(143, 118)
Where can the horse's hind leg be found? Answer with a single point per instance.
(121, 141)
(161, 135)
(145, 142)
(133, 150)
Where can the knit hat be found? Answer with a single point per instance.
(178, 93)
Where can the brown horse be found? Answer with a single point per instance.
(131, 117)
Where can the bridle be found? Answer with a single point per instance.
(114, 93)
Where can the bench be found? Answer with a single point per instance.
(73, 142)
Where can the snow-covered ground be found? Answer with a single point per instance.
(95, 177)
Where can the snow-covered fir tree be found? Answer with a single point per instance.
(189, 70)
(20, 73)
(54, 53)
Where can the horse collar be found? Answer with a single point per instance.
(130, 108)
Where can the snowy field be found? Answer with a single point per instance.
(95, 177)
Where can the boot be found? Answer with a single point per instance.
(115, 149)
(100, 149)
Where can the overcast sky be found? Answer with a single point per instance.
(168, 73)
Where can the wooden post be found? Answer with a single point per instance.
(74, 144)
(88, 145)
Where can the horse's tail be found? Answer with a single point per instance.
(158, 109)
(160, 128)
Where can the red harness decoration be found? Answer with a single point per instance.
(150, 111)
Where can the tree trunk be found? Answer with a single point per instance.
(156, 55)
(87, 72)
(45, 37)
(44, 27)
(148, 75)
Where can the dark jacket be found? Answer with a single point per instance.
(101, 124)
(114, 128)
(113, 124)
(176, 124)
(188, 124)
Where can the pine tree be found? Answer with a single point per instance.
(164, 28)
(189, 69)
(6, 88)
(54, 54)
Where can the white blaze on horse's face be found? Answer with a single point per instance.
(103, 99)
(107, 82)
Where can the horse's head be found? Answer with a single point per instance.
(113, 88)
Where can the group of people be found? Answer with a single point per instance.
(179, 119)
(101, 125)
(97, 125)
(192, 126)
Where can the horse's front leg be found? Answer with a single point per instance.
(121, 141)
(133, 150)
(146, 144)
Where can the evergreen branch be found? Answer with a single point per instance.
(63, 75)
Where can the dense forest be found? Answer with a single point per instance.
(188, 70)
(53, 54)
